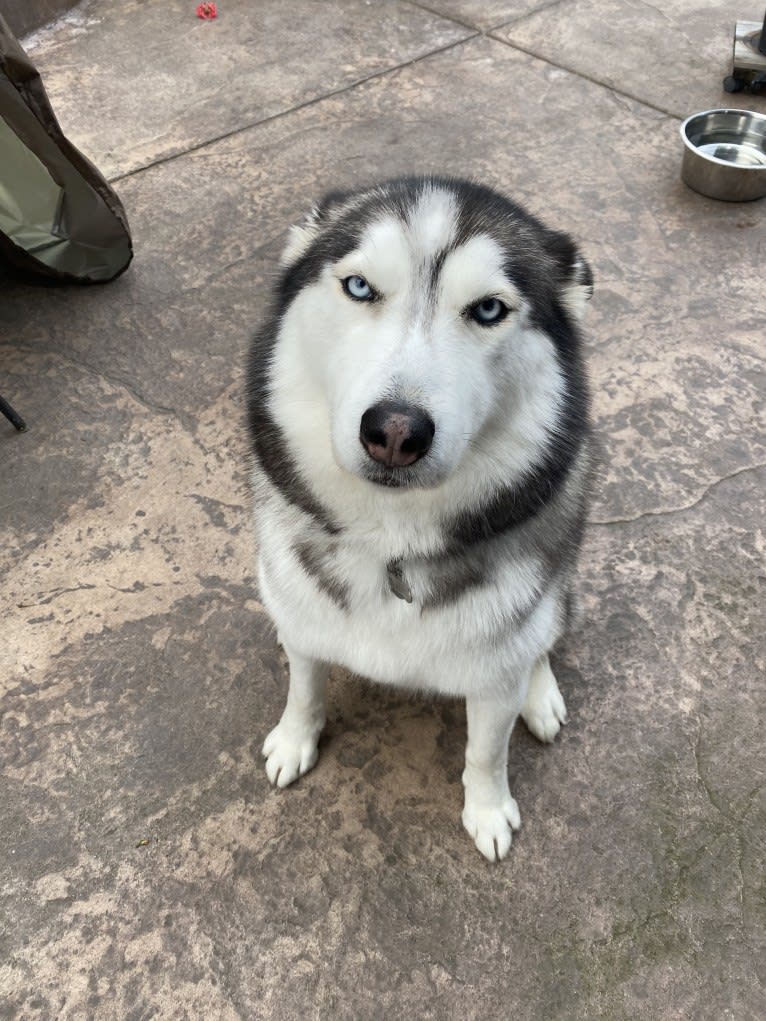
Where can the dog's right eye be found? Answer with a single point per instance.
(356, 287)
(488, 312)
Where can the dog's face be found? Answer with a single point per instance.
(422, 311)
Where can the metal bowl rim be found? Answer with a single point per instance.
(714, 159)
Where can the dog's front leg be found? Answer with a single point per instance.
(290, 749)
(490, 813)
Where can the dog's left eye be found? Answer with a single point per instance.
(488, 311)
(356, 287)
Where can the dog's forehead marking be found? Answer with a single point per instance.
(382, 255)
(433, 222)
(475, 269)
(384, 237)
(422, 253)
(395, 244)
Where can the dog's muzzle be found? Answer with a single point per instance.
(396, 435)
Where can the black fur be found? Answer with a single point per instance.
(315, 564)
(450, 577)
(268, 441)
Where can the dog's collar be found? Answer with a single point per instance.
(397, 582)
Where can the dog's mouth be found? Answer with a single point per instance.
(391, 478)
(421, 475)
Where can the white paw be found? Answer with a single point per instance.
(544, 710)
(290, 751)
(491, 826)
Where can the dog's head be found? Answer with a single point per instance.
(423, 314)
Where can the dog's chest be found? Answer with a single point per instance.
(367, 582)
(428, 620)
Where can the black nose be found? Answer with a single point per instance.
(396, 434)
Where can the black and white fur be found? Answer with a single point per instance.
(451, 574)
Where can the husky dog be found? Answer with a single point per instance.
(419, 415)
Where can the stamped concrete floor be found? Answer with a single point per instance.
(148, 869)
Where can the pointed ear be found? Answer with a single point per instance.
(575, 279)
(301, 235)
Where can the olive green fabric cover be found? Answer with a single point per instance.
(58, 215)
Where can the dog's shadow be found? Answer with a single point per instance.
(393, 731)
(416, 740)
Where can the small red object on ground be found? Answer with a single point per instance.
(207, 11)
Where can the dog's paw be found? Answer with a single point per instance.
(544, 711)
(545, 721)
(289, 752)
(491, 826)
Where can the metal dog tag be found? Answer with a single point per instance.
(397, 582)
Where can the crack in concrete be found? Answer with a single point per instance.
(586, 77)
(187, 420)
(248, 257)
(115, 381)
(527, 14)
(740, 877)
(448, 17)
(652, 7)
(54, 595)
(733, 822)
(667, 512)
(475, 33)
(700, 777)
(634, 927)
(495, 26)
(314, 101)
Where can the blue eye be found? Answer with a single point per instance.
(488, 311)
(356, 287)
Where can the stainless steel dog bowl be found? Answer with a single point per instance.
(725, 154)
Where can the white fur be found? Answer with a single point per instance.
(544, 711)
(577, 294)
(493, 395)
